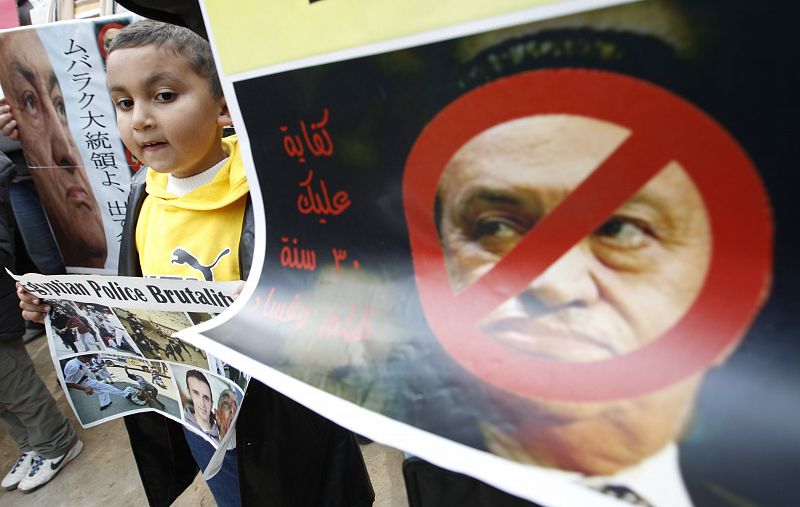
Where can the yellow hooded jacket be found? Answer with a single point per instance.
(197, 235)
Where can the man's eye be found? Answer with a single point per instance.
(620, 232)
(498, 232)
(165, 96)
(496, 228)
(29, 102)
(60, 108)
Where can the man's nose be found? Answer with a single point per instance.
(63, 150)
(569, 281)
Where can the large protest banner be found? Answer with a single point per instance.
(548, 245)
(53, 77)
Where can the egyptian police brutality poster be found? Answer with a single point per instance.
(53, 77)
(545, 244)
(113, 345)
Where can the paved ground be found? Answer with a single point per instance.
(105, 473)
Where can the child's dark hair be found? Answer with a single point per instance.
(179, 40)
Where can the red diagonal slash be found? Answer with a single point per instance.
(582, 211)
(664, 128)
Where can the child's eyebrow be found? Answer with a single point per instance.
(150, 81)
(160, 76)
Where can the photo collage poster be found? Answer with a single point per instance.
(112, 339)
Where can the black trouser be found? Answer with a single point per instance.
(70, 344)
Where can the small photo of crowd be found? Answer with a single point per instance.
(209, 402)
(83, 327)
(101, 385)
(151, 331)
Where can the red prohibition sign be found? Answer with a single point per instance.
(664, 127)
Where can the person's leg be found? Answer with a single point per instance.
(83, 337)
(104, 399)
(106, 389)
(70, 344)
(153, 395)
(92, 340)
(25, 395)
(15, 428)
(225, 485)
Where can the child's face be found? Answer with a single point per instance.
(166, 114)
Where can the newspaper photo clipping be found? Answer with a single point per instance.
(111, 339)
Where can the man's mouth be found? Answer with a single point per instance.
(79, 194)
(548, 341)
(76, 191)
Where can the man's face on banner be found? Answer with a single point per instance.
(200, 393)
(226, 410)
(32, 90)
(613, 291)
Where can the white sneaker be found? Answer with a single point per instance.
(43, 469)
(18, 471)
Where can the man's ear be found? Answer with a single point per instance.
(224, 118)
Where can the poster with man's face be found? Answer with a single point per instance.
(564, 246)
(53, 77)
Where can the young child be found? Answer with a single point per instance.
(192, 204)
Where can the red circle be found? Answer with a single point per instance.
(738, 209)
(102, 33)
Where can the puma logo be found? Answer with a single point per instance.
(181, 256)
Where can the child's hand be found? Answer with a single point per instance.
(8, 125)
(33, 309)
